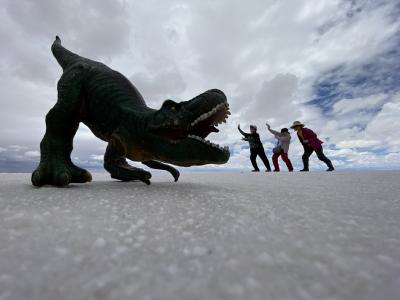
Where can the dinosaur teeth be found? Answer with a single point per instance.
(210, 113)
(207, 115)
(207, 142)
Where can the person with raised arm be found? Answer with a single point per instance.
(281, 148)
(256, 148)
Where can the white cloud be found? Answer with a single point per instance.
(358, 144)
(377, 130)
(275, 99)
(385, 124)
(96, 157)
(16, 148)
(346, 106)
(32, 154)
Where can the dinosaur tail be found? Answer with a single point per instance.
(63, 56)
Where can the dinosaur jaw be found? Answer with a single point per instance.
(185, 134)
(195, 148)
(208, 122)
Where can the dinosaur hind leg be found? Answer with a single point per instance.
(62, 122)
(160, 166)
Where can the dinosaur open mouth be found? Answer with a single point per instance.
(207, 122)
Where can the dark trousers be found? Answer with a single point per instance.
(285, 158)
(261, 153)
(320, 154)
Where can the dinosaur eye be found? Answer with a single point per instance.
(170, 105)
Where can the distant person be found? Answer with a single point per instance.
(256, 148)
(281, 148)
(310, 143)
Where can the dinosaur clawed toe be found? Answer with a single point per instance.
(59, 174)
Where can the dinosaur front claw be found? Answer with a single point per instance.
(146, 181)
(125, 172)
(146, 178)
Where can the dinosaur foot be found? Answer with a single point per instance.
(59, 174)
(128, 173)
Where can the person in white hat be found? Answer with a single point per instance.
(256, 148)
(310, 143)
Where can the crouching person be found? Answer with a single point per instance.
(281, 148)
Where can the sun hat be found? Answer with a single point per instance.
(297, 123)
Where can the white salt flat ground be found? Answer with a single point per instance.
(209, 236)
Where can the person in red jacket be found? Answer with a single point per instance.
(310, 143)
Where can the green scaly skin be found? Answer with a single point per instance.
(110, 105)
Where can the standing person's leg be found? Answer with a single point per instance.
(287, 161)
(253, 155)
(322, 157)
(306, 155)
(264, 158)
(275, 161)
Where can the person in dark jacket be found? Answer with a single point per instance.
(310, 143)
(256, 148)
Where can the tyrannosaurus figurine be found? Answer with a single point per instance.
(114, 110)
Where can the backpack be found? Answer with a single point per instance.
(277, 148)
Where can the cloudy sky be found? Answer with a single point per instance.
(335, 65)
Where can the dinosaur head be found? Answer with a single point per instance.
(181, 129)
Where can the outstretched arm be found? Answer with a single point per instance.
(242, 132)
(274, 132)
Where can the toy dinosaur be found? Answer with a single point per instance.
(114, 110)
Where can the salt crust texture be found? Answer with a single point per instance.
(209, 236)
